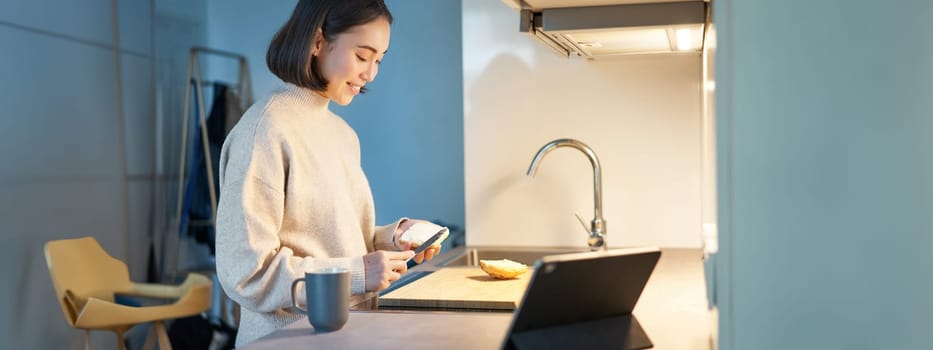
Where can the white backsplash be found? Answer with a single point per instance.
(640, 114)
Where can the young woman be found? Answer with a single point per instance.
(293, 195)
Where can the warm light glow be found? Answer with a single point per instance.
(683, 40)
(710, 238)
(710, 85)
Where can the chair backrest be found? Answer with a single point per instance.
(80, 267)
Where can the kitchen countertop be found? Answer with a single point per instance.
(672, 310)
(410, 330)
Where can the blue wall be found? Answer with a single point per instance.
(410, 123)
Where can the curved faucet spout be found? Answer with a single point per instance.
(598, 225)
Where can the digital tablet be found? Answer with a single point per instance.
(584, 299)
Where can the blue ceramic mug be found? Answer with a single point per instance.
(327, 292)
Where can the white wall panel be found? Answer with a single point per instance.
(139, 211)
(139, 114)
(59, 120)
(135, 26)
(62, 175)
(84, 20)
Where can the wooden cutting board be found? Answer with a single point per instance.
(459, 288)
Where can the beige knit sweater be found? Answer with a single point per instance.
(293, 198)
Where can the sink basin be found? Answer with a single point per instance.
(472, 255)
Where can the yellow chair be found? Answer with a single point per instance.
(86, 279)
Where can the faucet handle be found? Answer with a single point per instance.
(596, 242)
(597, 239)
(582, 222)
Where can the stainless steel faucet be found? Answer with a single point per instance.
(597, 239)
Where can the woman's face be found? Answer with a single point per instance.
(352, 60)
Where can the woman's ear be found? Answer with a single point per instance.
(318, 43)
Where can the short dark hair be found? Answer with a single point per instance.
(289, 56)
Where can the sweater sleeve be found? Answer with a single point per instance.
(386, 237)
(253, 266)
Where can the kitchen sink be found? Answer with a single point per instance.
(470, 256)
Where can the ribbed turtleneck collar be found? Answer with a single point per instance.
(310, 98)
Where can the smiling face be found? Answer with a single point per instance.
(352, 59)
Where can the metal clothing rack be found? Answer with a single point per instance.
(223, 311)
(244, 89)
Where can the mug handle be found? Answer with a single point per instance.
(294, 301)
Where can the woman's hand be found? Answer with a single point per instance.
(427, 254)
(384, 267)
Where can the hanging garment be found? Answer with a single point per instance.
(198, 191)
(196, 209)
(235, 109)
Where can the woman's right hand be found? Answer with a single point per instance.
(384, 267)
